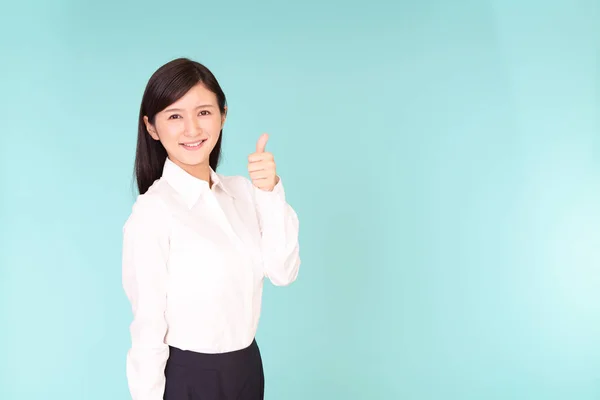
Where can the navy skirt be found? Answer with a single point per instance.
(236, 375)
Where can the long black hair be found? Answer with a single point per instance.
(167, 85)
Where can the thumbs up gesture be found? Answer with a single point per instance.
(261, 166)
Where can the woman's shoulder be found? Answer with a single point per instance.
(149, 209)
(238, 180)
(242, 187)
(238, 185)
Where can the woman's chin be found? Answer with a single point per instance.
(191, 160)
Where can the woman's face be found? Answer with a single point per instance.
(189, 128)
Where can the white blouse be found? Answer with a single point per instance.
(194, 259)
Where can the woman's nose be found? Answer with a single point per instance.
(192, 127)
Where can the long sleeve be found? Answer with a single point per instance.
(144, 274)
(279, 228)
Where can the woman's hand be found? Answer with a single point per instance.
(261, 166)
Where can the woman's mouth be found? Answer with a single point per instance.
(193, 145)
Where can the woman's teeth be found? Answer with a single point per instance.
(193, 144)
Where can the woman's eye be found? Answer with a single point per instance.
(204, 112)
(174, 116)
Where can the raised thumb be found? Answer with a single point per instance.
(261, 144)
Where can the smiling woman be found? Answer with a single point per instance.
(198, 245)
(183, 108)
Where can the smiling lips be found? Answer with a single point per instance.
(193, 145)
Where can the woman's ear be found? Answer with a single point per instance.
(223, 116)
(150, 129)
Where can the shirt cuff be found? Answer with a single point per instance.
(263, 197)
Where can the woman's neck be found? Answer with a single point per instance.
(199, 171)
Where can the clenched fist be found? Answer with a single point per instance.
(261, 166)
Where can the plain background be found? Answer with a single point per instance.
(443, 157)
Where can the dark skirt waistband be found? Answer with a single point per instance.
(193, 359)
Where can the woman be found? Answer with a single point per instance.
(197, 246)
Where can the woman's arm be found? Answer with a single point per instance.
(279, 229)
(145, 254)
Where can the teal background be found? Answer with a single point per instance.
(443, 158)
